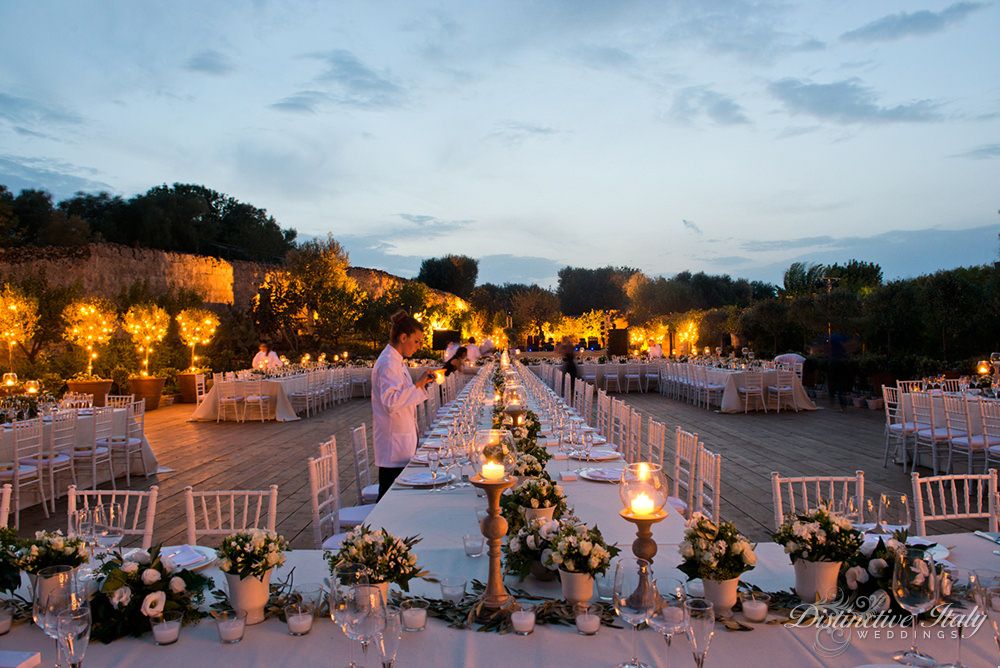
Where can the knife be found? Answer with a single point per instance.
(983, 534)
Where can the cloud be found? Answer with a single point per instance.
(691, 225)
(848, 101)
(984, 152)
(306, 101)
(210, 61)
(761, 245)
(507, 268)
(59, 178)
(424, 226)
(906, 24)
(23, 111)
(694, 101)
(603, 57)
(515, 133)
(355, 84)
(796, 131)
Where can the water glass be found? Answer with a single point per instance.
(73, 629)
(700, 627)
(671, 616)
(109, 525)
(388, 641)
(474, 545)
(634, 598)
(894, 513)
(453, 589)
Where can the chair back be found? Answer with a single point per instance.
(118, 400)
(104, 422)
(634, 436)
(907, 386)
(28, 440)
(890, 403)
(5, 504)
(220, 513)
(656, 441)
(603, 413)
(138, 521)
(951, 385)
(954, 497)
(362, 463)
(805, 493)
(328, 447)
(956, 415)
(924, 413)
(989, 414)
(685, 465)
(324, 490)
(785, 378)
(64, 431)
(199, 387)
(135, 425)
(708, 484)
(752, 382)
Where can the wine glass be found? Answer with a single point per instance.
(388, 641)
(109, 525)
(915, 587)
(866, 516)
(55, 591)
(894, 513)
(81, 525)
(73, 634)
(342, 582)
(700, 628)
(671, 616)
(634, 598)
(364, 613)
(433, 462)
(985, 585)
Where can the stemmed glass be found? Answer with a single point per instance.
(109, 525)
(894, 513)
(388, 641)
(565, 446)
(82, 526)
(73, 631)
(985, 585)
(700, 628)
(55, 592)
(433, 462)
(671, 617)
(344, 579)
(634, 597)
(915, 587)
(364, 612)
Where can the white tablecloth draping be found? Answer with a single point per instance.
(84, 434)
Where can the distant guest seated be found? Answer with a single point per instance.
(456, 362)
(266, 358)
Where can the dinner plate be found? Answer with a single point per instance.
(597, 455)
(602, 474)
(207, 555)
(433, 443)
(423, 479)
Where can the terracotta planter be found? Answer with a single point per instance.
(250, 595)
(149, 388)
(816, 581)
(186, 385)
(722, 594)
(875, 404)
(538, 513)
(576, 587)
(99, 388)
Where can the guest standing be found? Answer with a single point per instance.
(266, 358)
(569, 360)
(394, 400)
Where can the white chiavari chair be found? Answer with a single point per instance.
(958, 421)
(362, 380)
(199, 389)
(567, 388)
(932, 432)
(90, 455)
(897, 428)
(710, 393)
(588, 404)
(61, 449)
(328, 447)
(138, 521)
(686, 446)
(633, 437)
(783, 388)
(4, 504)
(578, 399)
(23, 469)
(989, 415)
(611, 370)
(650, 372)
(603, 419)
(229, 398)
(367, 490)
(220, 513)
(118, 400)
(907, 386)
(324, 490)
(752, 386)
(619, 425)
(708, 484)
(633, 374)
(806, 493)
(951, 385)
(656, 440)
(256, 399)
(128, 443)
(954, 497)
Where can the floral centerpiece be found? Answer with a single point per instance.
(51, 548)
(580, 553)
(528, 466)
(248, 558)
(718, 554)
(142, 587)
(10, 570)
(527, 549)
(386, 558)
(538, 498)
(818, 543)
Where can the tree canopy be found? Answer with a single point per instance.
(456, 274)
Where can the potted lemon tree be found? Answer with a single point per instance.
(197, 327)
(147, 325)
(90, 323)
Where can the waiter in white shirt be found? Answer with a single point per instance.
(655, 350)
(394, 400)
(473, 350)
(266, 358)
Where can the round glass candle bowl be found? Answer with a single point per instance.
(643, 490)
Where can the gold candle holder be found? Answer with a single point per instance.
(643, 547)
(494, 528)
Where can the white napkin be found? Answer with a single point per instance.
(568, 476)
(181, 557)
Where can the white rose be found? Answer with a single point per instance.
(877, 566)
(855, 575)
(585, 547)
(177, 585)
(141, 557)
(749, 557)
(130, 568)
(152, 605)
(150, 576)
(121, 597)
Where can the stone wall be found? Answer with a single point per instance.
(107, 269)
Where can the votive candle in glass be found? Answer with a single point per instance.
(523, 621)
(299, 619)
(230, 625)
(755, 606)
(166, 627)
(414, 614)
(588, 620)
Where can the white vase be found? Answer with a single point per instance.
(249, 595)
(721, 593)
(816, 581)
(576, 587)
(538, 513)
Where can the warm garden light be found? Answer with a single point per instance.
(983, 368)
(197, 327)
(90, 323)
(31, 386)
(10, 379)
(18, 319)
(147, 325)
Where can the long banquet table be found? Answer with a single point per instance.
(441, 519)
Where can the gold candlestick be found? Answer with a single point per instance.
(494, 528)
(643, 547)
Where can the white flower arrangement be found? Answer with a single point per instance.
(251, 553)
(538, 493)
(578, 548)
(531, 544)
(385, 557)
(819, 535)
(715, 551)
(528, 466)
(51, 548)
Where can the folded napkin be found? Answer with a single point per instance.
(181, 556)
(568, 476)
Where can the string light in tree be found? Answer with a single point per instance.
(198, 326)
(147, 325)
(18, 319)
(89, 323)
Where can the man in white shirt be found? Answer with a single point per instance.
(266, 358)
(473, 350)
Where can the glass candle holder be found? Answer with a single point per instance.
(230, 624)
(523, 620)
(414, 614)
(474, 545)
(299, 618)
(588, 620)
(643, 489)
(755, 606)
(453, 589)
(167, 627)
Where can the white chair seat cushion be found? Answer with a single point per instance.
(334, 542)
(369, 494)
(352, 516)
(85, 453)
(780, 388)
(976, 442)
(903, 427)
(680, 505)
(258, 397)
(939, 434)
(25, 470)
(46, 459)
(111, 442)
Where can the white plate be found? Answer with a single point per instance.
(423, 479)
(610, 474)
(597, 455)
(433, 443)
(208, 556)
